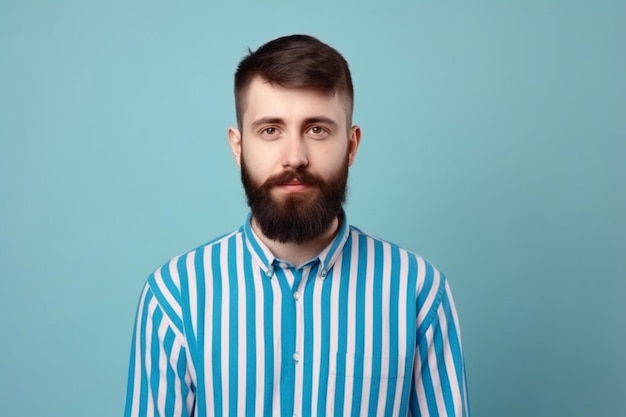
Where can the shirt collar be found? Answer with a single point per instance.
(262, 255)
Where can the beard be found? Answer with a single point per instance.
(296, 217)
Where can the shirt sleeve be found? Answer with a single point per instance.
(159, 383)
(439, 383)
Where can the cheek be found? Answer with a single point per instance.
(332, 158)
(258, 162)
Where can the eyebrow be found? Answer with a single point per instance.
(320, 119)
(267, 121)
(307, 121)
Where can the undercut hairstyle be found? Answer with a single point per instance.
(295, 61)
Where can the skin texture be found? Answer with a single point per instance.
(289, 129)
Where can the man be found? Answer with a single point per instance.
(296, 312)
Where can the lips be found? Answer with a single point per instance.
(293, 186)
(293, 182)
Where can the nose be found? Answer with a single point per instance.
(296, 155)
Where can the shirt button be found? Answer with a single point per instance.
(269, 272)
(283, 265)
(296, 295)
(323, 273)
(296, 357)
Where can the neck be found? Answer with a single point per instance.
(298, 253)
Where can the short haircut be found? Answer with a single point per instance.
(295, 61)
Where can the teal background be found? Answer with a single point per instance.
(494, 145)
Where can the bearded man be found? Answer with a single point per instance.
(296, 313)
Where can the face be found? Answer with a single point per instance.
(294, 149)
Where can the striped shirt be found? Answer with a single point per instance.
(364, 329)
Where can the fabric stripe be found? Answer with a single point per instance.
(375, 328)
(215, 360)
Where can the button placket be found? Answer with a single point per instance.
(298, 294)
(298, 300)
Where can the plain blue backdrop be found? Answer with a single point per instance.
(494, 145)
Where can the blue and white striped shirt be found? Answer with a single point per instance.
(364, 329)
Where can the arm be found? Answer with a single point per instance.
(159, 383)
(439, 384)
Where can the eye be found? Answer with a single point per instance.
(318, 131)
(269, 132)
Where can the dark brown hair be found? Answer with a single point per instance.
(295, 61)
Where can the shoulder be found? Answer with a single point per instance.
(363, 238)
(408, 265)
(176, 271)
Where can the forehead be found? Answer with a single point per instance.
(263, 99)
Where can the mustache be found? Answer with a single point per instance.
(301, 175)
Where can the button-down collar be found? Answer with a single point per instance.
(265, 259)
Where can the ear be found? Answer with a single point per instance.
(353, 143)
(234, 139)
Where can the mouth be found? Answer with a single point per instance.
(293, 186)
